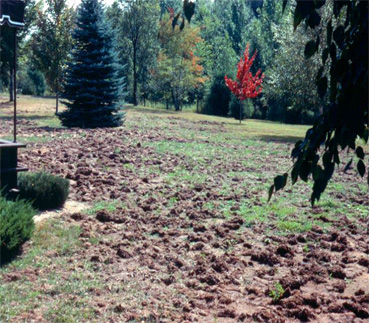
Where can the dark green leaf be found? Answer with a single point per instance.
(304, 170)
(328, 171)
(336, 158)
(361, 168)
(352, 144)
(284, 5)
(182, 25)
(175, 20)
(329, 33)
(325, 55)
(339, 35)
(310, 49)
(314, 20)
(337, 6)
(318, 188)
(322, 87)
(294, 174)
(341, 67)
(280, 182)
(303, 9)
(319, 3)
(348, 166)
(360, 152)
(327, 159)
(366, 135)
(317, 172)
(297, 17)
(271, 190)
(333, 52)
(189, 9)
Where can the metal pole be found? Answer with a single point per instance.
(15, 85)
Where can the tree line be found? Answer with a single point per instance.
(167, 61)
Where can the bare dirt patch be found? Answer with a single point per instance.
(185, 233)
(69, 207)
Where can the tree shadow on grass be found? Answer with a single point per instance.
(279, 139)
(7, 257)
(30, 118)
(151, 110)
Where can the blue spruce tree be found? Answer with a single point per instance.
(92, 87)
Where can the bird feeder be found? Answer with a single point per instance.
(11, 14)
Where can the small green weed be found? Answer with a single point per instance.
(277, 293)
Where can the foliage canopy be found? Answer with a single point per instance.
(345, 58)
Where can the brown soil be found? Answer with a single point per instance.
(191, 263)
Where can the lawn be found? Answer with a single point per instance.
(178, 227)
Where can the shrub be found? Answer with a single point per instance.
(33, 82)
(217, 101)
(234, 108)
(16, 226)
(45, 191)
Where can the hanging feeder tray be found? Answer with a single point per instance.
(9, 167)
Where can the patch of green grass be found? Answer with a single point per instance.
(52, 122)
(291, 226)
(277, 293)
(109, 206)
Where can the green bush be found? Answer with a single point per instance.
(44, 191)
(234, 108)
(217, 101)
(16, 226)
(32, 82)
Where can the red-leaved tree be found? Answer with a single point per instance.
(247, 85)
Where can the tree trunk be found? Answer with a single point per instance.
(175, 101)
(11, 85)
(240, 111)
(197, 104)
(135, 103)
(167, 103)
(57, 98)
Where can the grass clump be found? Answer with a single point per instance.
(277, 293)
(45, 191)
(16, 226)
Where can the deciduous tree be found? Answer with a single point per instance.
(246, 85)
(178, 63)
(136, 23)
(52, 42)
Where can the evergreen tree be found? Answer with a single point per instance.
(92, 86)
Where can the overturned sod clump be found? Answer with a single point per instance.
(44, 191)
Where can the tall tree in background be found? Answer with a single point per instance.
(52, 42)
(218, 54)
(165, 5)
(136, 22)
(262, 35)
(6, 45)
(178, 63)
(92, 87)
(289, 93)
